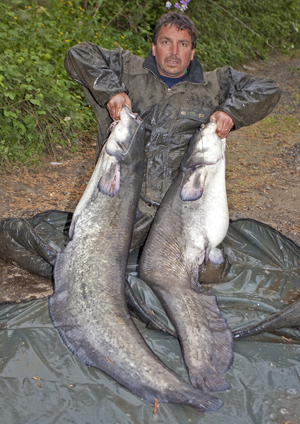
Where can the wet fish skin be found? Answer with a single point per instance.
(116, 149)
(184, 234)
(288, 317)
(88, 307)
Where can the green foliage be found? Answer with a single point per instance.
(232, 31)
(41, 108)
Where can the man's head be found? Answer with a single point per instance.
(180, 21)
(174, 42)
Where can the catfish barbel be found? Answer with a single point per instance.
(88, 307)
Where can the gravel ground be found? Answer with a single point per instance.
(263, 161)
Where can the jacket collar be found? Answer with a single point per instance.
(195, 69)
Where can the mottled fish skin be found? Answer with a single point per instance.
(288, 317)
(88, 307)
(183, 235)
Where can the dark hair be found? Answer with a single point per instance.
(181, 22)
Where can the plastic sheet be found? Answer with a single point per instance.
(42, 382)
(34, 243)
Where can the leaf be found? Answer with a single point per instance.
(10, 94)
(26, 87)
(35, 102)
(10, 114)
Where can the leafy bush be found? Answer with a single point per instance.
(42, 109)
(232, 31)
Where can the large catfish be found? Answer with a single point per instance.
(88, 307)
(191, 221)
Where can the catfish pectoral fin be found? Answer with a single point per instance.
(191, 191)
(193, 184)
(109, 183)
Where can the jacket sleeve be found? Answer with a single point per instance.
(97, 69)
(245, 98)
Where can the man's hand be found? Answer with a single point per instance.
(115, 104)
(224, 123)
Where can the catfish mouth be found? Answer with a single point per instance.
(133, 115)
(190, 167)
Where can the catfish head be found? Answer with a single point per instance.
(206, 149)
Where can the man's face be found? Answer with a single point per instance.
(173, 51)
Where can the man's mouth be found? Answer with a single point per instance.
(172, 62)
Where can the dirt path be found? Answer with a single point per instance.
(263, 166)
(263, 160)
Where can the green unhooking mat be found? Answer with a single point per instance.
(41, 381)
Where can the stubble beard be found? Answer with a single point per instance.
(165, 70)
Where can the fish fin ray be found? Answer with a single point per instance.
(60, 269)
(200, 401)
(188, 395)
(208, 380)
(222, 341)
(109, 183)
(222, 355)
(193, 185)
(215, 383)
(58, 305)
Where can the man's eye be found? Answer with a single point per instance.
(184, 44)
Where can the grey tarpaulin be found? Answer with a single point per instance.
(42, 382)
(33, 243)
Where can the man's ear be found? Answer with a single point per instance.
(153, 49)
(192, 54)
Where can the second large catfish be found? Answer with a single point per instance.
(190, 223)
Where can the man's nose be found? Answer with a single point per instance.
(174, 48)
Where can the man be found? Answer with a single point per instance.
(172, 95)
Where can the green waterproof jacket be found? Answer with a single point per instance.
(171, 115)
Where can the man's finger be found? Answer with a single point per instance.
(117, 111)
(114, 110)
(224, 123)
(115, 104)
(128, 103)
(224, 128)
